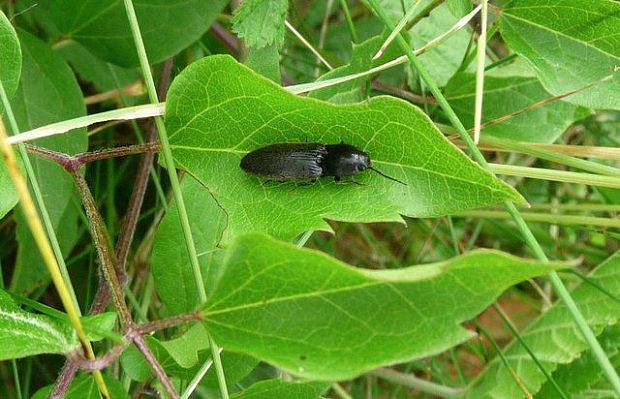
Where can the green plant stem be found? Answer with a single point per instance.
(554, 218)
(347, 17)
(529, 238)
(555, 175)
(411, 381)
(340, 391)
(174, 181)
(499, 352)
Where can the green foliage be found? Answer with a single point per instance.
(84, 387)
(283, 390)
(261, 23)
(26, 334)
(355, 90)
(505, 95)
(243, 111)
(570, 43)
(47, 79)
(10, 65)
(10, 56)
(308, 313)
(170, 264)
(554, 340)
(444, 60)
(103, 28)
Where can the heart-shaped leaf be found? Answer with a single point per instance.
(318, 318)
(218, 110)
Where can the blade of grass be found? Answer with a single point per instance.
(174, 180)
(130, 113)
(555, 175)
(482, 43)
(529, 238)
(38, 232)
(542, 153)
(347, 17)
(554, 218)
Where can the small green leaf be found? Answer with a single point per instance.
(170, 264)
(103, 27)
(553, 337)
(570, 43)
(8, 195)
(218, 110)
(236, 366)
(25, 334)
(270, 389)
(316, 317)
(261, 23)
(85, 387)
(184, 349)
(506, 94)
(48, 92)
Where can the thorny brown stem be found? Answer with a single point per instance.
(157, 325)
(114, 269)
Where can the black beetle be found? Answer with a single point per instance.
(298, 161)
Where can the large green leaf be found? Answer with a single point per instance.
(319, 318)
(170, 265)
(10, 69)
(48, 93)
(103, 75)
(553, 337)
(506, 94)
(167, 26)
(25, 334)
(270, 389)
(570, 43)
(218, 110)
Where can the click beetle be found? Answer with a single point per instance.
(299, 161)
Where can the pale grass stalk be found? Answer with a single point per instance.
(308, 45)
(482, 45)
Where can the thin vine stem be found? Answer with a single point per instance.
(527, 234)
(42, 240)
(174, 180)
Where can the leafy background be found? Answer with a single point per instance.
(395, 281)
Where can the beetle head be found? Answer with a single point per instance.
(347, 160)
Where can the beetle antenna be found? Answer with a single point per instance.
(386, 176)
